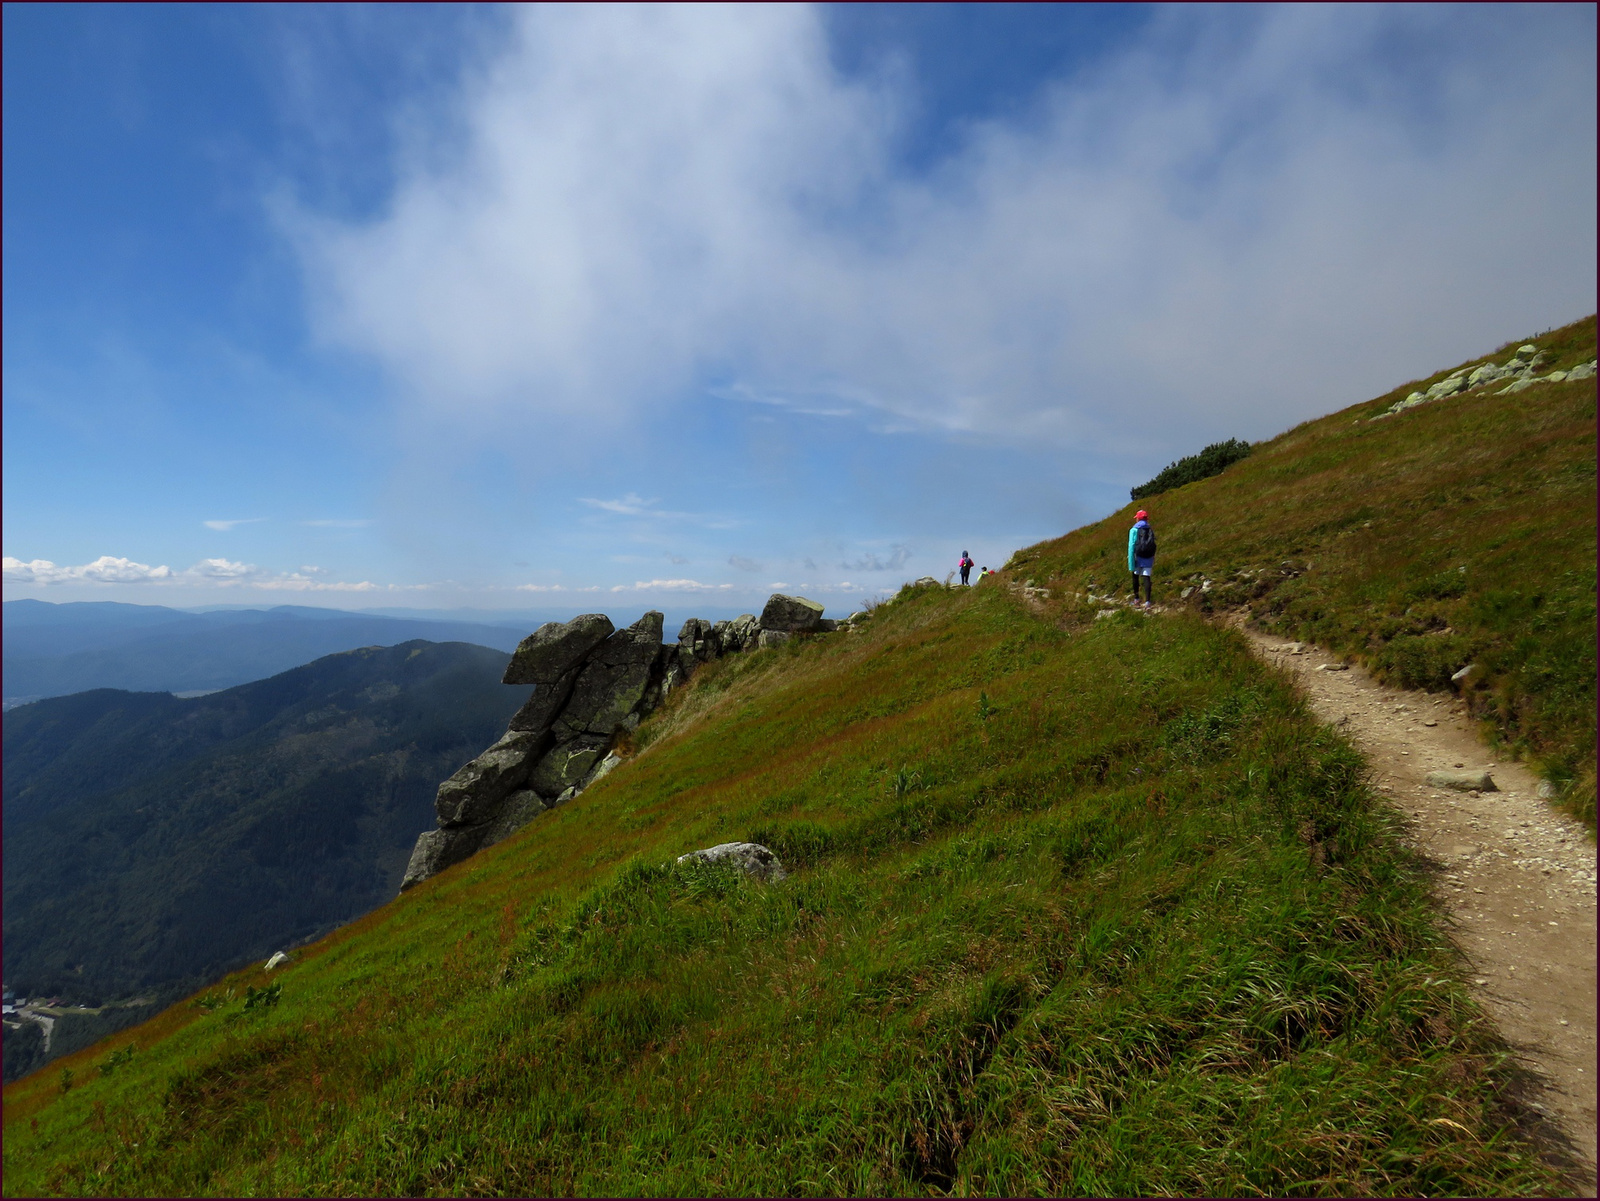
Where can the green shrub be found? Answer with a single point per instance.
(1213, 460)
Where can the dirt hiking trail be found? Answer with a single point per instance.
(1517, 877)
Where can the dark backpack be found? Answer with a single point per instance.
(1144, 544)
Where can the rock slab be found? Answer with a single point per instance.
(1462, 781)
(791, 614)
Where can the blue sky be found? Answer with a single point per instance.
(615, 308)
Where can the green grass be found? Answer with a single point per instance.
(1075, 907)
(1461, 531)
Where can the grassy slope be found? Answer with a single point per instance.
(1462, 531)
(1076, 906)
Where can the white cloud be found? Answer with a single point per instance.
(221, 570)
(224, 526)
(104, 570)
(215, 573)
(1253, 216)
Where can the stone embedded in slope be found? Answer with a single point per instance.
(790, 614)
(1486, 374)
(473, 794)
(771, 638)
(1582, 371)
(1462, 781)
(556, 647)
(751, 858)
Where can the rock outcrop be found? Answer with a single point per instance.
(1521, 369)
(592, 683)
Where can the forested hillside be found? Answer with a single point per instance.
(153, 842)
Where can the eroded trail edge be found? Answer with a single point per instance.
(1517, 878)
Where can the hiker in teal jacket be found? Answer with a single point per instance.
(1141, 538)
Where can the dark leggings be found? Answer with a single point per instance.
(1147, 586)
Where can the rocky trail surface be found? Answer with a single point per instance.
(1517, 877)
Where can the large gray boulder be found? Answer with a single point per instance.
(439, 849)
(556, 647)
(607, 692)
(751, 858)
(790, 614)
(551, 659)
(473, 795)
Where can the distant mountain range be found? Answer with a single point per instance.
(58, 649)
(152, 842)
(55, 650)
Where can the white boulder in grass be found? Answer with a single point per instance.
(751, 858)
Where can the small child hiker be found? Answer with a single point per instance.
(966, 567)
(1141, 554)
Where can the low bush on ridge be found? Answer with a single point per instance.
(1213, 460)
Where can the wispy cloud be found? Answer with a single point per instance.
(630, 505)
(356, 523)
(224, 526)
(743, 564)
